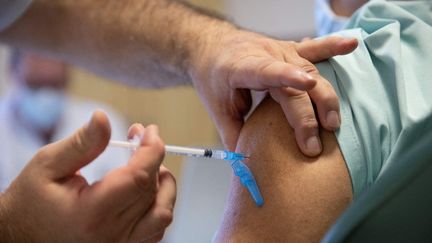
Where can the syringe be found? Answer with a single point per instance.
(186, 151)
(240, 169)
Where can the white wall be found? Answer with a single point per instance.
(288, 19)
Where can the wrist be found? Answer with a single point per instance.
(209, 43)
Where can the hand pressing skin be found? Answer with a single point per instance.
(51, 202)
(125, 42)
(235, 61)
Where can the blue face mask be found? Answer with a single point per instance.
(41, 108)
(326, 21)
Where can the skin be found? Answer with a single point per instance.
(123, 40)
(303, 196)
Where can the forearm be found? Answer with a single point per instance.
(142, 42)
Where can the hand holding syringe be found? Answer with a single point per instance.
(240, 169)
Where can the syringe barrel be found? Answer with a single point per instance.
(185, 151)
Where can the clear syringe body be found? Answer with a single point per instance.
(203, 152)
(187, 151)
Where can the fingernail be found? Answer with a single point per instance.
(313, 145)
(91, 123)
(332, 119)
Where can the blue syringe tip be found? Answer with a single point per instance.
(233, 156)
(248, 180)
(255, 193)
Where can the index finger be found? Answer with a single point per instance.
(122, 187)
(317, 50)
(263, 73)
(160, 215)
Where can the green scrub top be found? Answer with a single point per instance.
(384, 87)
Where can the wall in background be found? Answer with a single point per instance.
(287, 19)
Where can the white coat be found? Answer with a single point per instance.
(19, 144)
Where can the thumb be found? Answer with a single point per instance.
(229, 130)
(230, 120)
(64, 158)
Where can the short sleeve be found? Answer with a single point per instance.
(384, 88)
(11, 10)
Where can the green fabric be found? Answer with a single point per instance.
(384, 87)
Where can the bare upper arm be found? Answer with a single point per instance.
(303, 196)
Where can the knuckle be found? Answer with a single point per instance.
(158, 148)
(143, 181)
(295, 94)
(326, 95)
(328, 98)
(262, 69)
(308, 122)
(42, 154)
(165, 217)
(308, 67)
(227, 68)
(134, 129)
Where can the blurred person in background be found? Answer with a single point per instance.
(38, 110)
